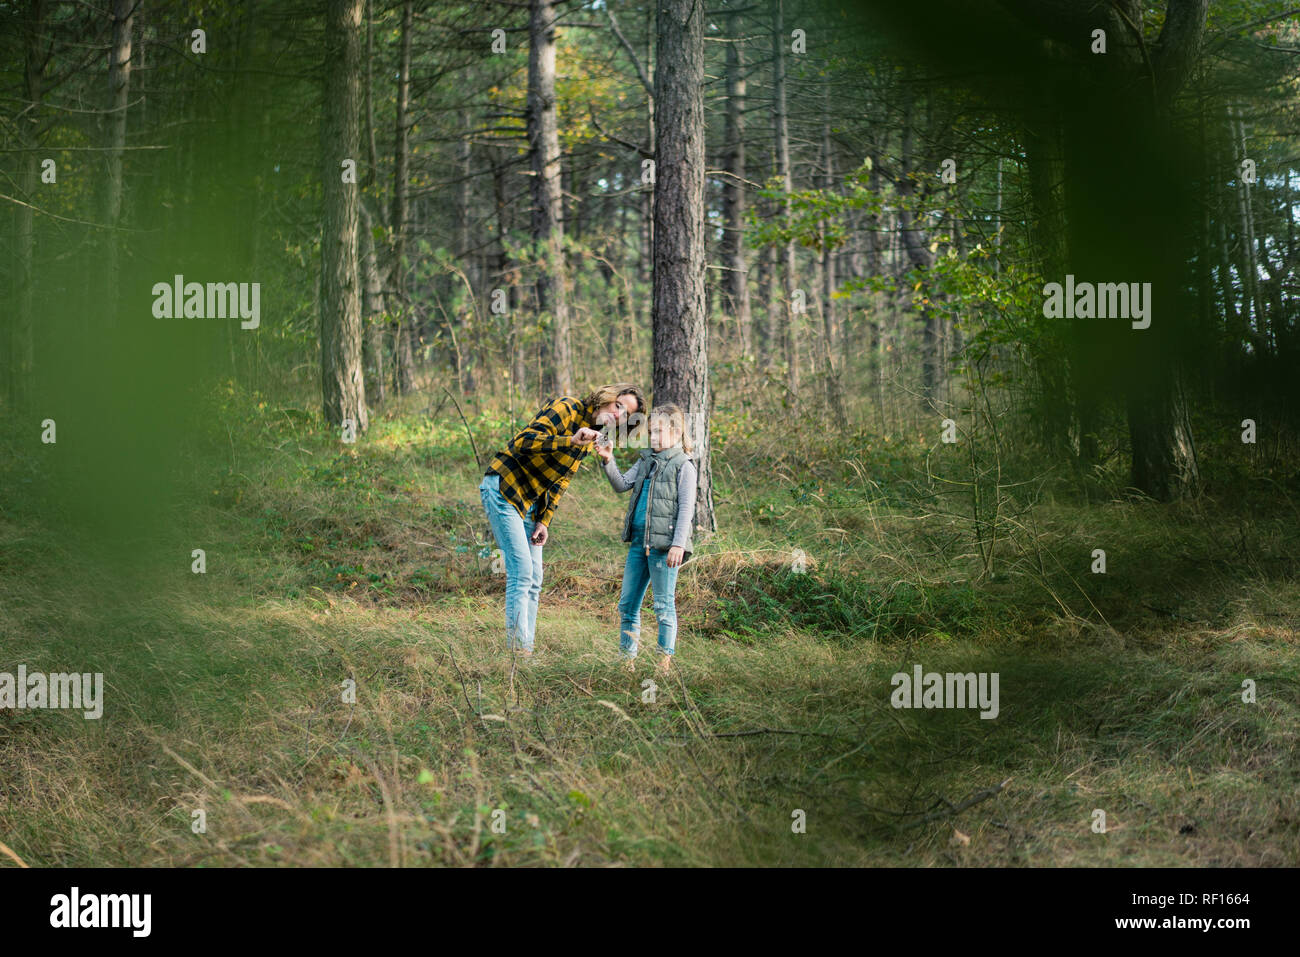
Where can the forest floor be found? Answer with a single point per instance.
(774, 743)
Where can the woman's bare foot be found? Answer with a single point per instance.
(665, 664)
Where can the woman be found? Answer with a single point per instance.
(525, 481)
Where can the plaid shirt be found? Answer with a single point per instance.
(537, 464)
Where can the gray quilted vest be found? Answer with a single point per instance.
(661, 508)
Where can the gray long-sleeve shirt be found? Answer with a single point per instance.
(686, 480)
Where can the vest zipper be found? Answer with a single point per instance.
(648, 503)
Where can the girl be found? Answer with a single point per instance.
(657, 527)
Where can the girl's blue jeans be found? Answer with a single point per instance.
(523, 563)
(651, 570)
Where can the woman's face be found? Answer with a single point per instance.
(612, 413)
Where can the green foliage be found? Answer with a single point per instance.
(816, 219)
(763, 604)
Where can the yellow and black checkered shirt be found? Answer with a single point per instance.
(537, 464)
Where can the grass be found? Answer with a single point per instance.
(225, 692)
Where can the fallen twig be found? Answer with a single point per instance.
(971, 801)
(746, 734)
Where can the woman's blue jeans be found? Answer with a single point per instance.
(652, 570)
(523, 561)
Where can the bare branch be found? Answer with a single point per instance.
(640, 70)
(643, 151)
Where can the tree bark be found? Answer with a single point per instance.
(1164, 458)
(375, 273)
(342, 382)
(503, 277)
(1164, 454)
(919, 255)
(404, 357)
(767, 293)
(735, 285)
(465, 369)
(834, 398)
(781, 132)
(680, 324)
(548, 229)
(119, 90)
(372, 313)
(1249, 263)
(1050, 233)
(22, 344)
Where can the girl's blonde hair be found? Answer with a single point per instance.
(677, 421)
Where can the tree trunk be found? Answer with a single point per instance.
(781, 132)
(647, 209)
(404, 357)
(22, 364)
(1164, 455)
(372, 313)
(373, 320)
(735, 285)
(872, 267)
(463, 317)
(1164, 458)
(918, 252)
(834, 399)
(119, 90)
(544, 156)
(1045, 148)
(342, 382)
(767, 293)
(502, 277)
(681, 368)
(1257, 323)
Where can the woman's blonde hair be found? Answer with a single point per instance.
(677, 420)
(608, 393)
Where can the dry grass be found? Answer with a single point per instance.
(225, 691)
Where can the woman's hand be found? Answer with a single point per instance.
(675, 556)
(540, 534)
(584, 436)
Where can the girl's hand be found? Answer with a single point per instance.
(675, 556)
(606, 452)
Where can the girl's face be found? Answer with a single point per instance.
(662, 434)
